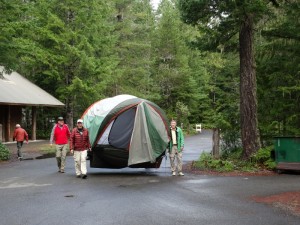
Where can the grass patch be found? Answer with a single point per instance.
(261, 160)
(48, 149)
(207, 162)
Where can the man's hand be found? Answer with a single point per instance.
(72, 151)
(182, 148)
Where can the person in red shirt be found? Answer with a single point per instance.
(20, 135)
(79, 145)
(60, 135)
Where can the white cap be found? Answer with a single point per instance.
(18, 125)
(79, 121)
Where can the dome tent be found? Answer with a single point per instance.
(126, 131)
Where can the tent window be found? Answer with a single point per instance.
(104, 138)
(120, 133)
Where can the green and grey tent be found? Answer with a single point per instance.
(126, 131)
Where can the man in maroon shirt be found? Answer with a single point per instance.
(20, 135)
(79, 145)
(61, 135)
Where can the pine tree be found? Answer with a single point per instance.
(134, 27)
(66, 48)
(278, 48)
(173, 75)
(222, 21)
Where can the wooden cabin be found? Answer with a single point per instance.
(16, 93)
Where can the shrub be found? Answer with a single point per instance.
(231, 160)
(206, 161)
(263, 157)
(4, 152)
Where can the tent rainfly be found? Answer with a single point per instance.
(126, 131)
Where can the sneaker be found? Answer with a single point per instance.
(181, 174)
(84, 176)
(173, 173)
(62, 171)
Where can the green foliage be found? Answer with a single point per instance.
(134, 27)
(61, 46)
(82, 51)
(43, 134)
(263, 157)
(172, 74)
(231, 160)
(206, 161)
(48, 149)
(4, 153)
(278, 68)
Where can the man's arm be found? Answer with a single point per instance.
(15, 134)
(52, 135)
(72, 140)
(181, 139)
(88, 140)
(26, 136)
(68, 132)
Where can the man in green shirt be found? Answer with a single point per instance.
(176, 146)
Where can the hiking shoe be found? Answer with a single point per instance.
(84, 176)
(181, 174)
(62, 171)
(173, 173)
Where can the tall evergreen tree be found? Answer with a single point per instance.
(134, 27)
(223, 20)
(278, 51)
(66, 48)
(173, 76)
(14, 18)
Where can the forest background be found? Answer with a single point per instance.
(81, 51)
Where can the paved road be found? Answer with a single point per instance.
(33, 193)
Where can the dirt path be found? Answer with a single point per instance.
(31, 150)
(288, 201)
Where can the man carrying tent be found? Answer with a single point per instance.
(79, 145)
(176, 146)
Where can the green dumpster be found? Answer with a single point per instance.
(287, 153)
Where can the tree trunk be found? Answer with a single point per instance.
(69, 112)
(216, 143)
(33, 119)
(248, 101)
(8, 123)
(69, 99)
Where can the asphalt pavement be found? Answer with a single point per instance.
(32, 192)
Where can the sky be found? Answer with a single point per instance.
(155, 3)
